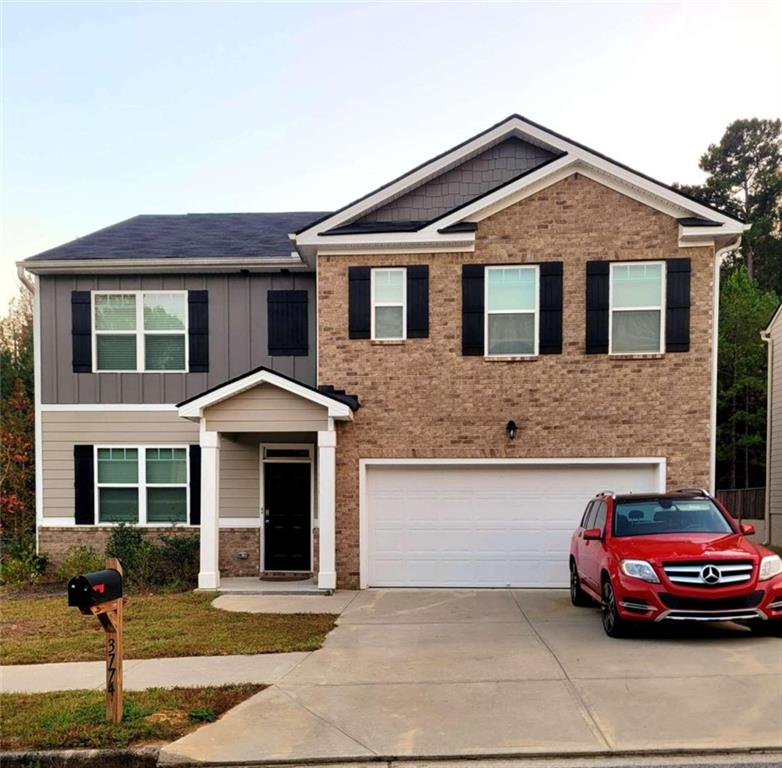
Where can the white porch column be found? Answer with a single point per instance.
(209, 574)
(327, 491)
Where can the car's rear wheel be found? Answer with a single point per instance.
(577, 595)
(613, 624)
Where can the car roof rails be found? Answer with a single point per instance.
(702, 491)
(612, 494)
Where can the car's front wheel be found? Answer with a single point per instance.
(577, 595)
(769, 628)
(613, 624)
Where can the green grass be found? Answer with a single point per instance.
(45, 629)
(72, 719)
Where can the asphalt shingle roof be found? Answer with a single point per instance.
(188, 236)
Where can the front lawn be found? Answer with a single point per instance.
(45, 629)
(72, 719)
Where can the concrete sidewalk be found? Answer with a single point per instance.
(151, 673)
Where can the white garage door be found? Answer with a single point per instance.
(482, 525)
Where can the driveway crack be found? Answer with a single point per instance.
(569, 682)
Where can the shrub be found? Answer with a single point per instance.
(137, 555)
(20, 563)
(178, 560)
(80, 560)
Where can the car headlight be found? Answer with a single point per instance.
(770, 565)
(639, 569)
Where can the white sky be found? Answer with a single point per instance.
(115, 109)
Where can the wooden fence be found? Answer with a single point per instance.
(744, 503)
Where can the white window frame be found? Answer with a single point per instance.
(612, 308)
(535, 311)
(374, 304)
(139, 332)
(141, 485)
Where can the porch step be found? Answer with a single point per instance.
(252, 585)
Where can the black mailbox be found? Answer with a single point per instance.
(94, 588)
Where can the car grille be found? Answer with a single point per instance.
(709, 604)
(709, 573)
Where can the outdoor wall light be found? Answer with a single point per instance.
(511, 429)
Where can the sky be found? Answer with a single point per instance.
(112, 109)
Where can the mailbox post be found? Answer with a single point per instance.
(100, 594)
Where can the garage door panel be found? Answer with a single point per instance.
(482, 525)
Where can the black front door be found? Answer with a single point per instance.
(286, 490)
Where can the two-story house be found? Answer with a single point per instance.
(422, 388)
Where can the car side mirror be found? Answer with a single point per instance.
(593, 534)
(747, 529)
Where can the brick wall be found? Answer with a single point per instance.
(422, 398)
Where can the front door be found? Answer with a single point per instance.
(286, 490)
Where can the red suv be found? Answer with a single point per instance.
(672, 556)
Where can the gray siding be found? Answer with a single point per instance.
(484, 172)
(775, 451)
(237, 337)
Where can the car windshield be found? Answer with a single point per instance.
(655, 516)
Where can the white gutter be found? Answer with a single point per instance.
(23, 279)
(715, 341)
(766, 336)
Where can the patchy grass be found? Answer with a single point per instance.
(72, 719)
(39, 630)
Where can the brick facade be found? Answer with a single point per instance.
(422, 398)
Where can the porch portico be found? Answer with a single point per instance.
(288, 425)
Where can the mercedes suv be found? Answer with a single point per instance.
(677, 556)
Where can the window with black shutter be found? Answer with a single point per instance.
(677, 305)
(287, 323)
(84, 484)
(473, 301)
(198, 331)
(81, 331)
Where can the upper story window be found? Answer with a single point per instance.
(142, 485)
(637, 303)
(511, 323)
(389, 304)
(140, 331)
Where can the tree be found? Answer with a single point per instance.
(745, 180)
(17, 453)
(745, 310)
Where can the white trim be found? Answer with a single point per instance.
(521, 128)
(651, 308)
(162, 266)
(141, 484)
(363, 510)
(194, 409)
(140, 332)
(107, 407)
(535, 311)
(38, 426)
(69, 522)
(309, 459)
(239, 522)
(375, 304)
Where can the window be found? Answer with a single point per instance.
(142, 485)
(636, 304)
(141, 331)
(389, 299)
(654, 517)
(511, 311)
(600, 516)
(587, 512)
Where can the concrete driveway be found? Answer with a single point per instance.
(500, 672)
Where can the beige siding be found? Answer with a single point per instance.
(239, 477)
(61, 430)
(266, 408)
(775, 451)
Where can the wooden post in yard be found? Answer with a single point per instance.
(110, 617)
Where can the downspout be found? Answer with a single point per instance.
(715, 341)
(23, 279)
(766, 336)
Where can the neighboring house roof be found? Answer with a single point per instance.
(187, 236)
(339, 404)
(494, 168)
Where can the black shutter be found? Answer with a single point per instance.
(287, 323)
(677, 305)
(358, 302)
(198, 330)
(84, 485)
(597, 277)
(195, 485)
(418, 301)
(472, 309)
(550, 342)
(81, 331)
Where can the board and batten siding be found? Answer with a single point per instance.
(237, 337)
(266, 408)
(239, 458)
(775, 453)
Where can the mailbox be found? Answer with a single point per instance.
(91, 589)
